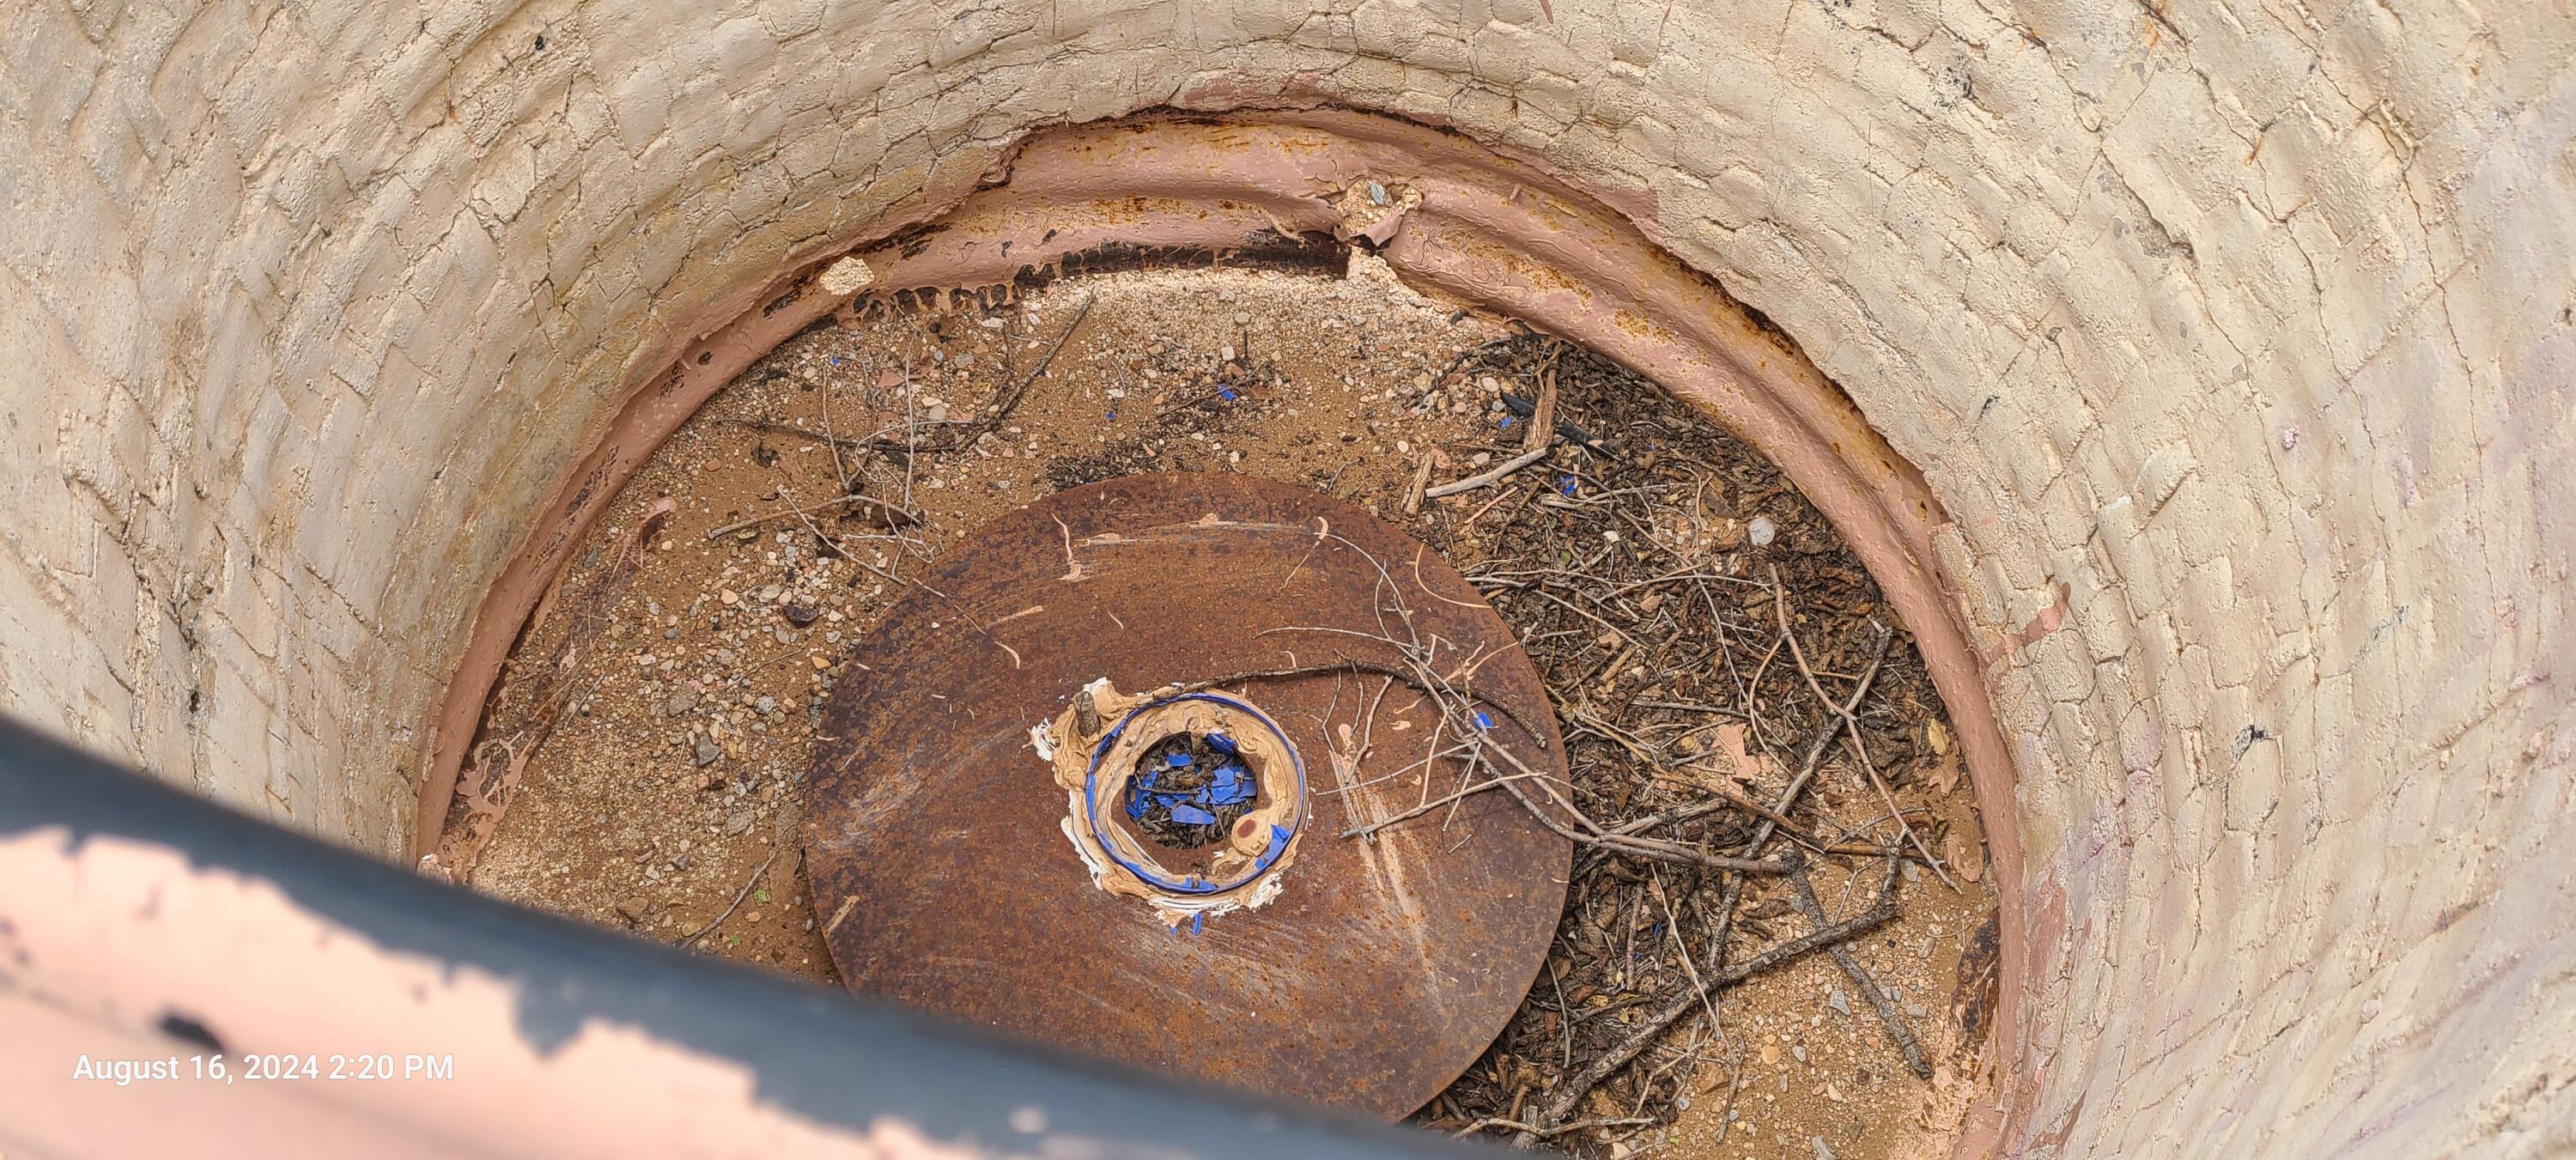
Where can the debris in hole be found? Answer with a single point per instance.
(1189, 788)
(1676, 651)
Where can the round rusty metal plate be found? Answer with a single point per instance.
(942, 877)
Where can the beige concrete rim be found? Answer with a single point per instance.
(2234, 340)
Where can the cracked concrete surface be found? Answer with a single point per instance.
(2234, 337)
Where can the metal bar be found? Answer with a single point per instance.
(143, 929)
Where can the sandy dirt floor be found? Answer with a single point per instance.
(650, 740)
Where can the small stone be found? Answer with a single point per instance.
(1838, 1001)
(1762, 531)
(820, 663)
(799, 615)
(766, 705)
(738, 823)
(706, 753)
(729, 596)
(679, 703)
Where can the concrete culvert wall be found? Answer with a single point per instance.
(2232, 339)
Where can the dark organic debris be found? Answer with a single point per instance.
(1714, 654)
(1189, 789)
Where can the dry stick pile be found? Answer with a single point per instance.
(1699, 660)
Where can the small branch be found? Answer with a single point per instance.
(748, 885)
(1851, 726)
(1421, 480)
(1487, 478)
(1542, 438)
(1580, 1125)
(1802, 894)
(1491, 1122)
(1427, 807)
(894, 516)
(1542, 428)
(1008, 402)
(1611, 1061)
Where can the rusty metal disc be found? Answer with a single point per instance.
(935, 834)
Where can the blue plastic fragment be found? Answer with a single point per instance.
(1113, 414)
(1179, 760)
(1507, 422)
(1220, 742)
(1192, 816)
(1566, 485)
(1225, 393)
(1483, 721)
(836, 360)
(1233, 784)
(1198, 923)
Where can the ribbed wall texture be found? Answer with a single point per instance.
(2236, 337)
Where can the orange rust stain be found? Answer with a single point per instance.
(1639, 325)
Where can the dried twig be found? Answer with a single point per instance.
(1572, 1091)
(1002, 407)
(748, 885)
(1421, 480)
(1851, 726)
(1488, 477)
(1544, 1133)
(1802, 894)
(1542, 439)
(891, 515)
(1603, 1067)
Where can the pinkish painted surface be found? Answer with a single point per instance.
(104, 935)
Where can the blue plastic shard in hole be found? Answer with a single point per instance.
(1221, 743)
(1483, 721)
(1179, 760)
(1190, 815)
